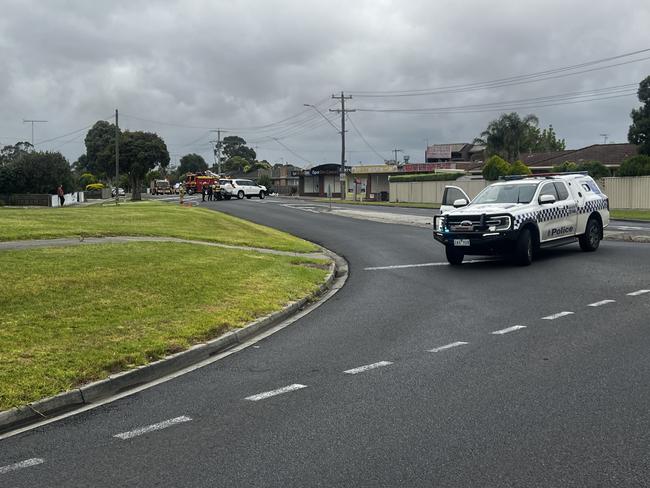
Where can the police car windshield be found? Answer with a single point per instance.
(506, 194)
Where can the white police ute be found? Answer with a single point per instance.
(520, 215)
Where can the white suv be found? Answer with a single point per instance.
(241, 188)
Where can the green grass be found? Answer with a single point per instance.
(380, 204)
(70, 315)
(142, 219)
(630, 214)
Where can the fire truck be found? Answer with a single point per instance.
(194, 183)
(160, 187)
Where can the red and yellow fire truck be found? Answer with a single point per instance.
(195, 182)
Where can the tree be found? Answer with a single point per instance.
(36, 172)
(546, 140)
(596, 169)
(236, 146)
(519, 168)
(565, 167)
(11, 153)
(265, 180)
(509, 135)
(639, 132)
(100, 150)
(141, 152)
(86, 179)
(635, 166)
(236, 164)
(192, 163)
(495, 167)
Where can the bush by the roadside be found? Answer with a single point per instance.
(635, 166)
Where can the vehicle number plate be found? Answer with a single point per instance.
(461, 242)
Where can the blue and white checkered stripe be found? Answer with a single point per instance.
(593, 205)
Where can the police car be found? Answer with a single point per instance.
(522, 214)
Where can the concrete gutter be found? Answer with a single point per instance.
(50, 408)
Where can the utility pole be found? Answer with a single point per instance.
(31, 121)
(604, 136)
(396, 151)
(117, 157)
(217, 150)
(342, 111)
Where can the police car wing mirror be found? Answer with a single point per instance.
(546, 199)
(461, 202)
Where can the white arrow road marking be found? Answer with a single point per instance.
(22, 464)
(151, 428)
(557, 315)
(279, 391)
(638, 292)
(602, 302)
(448, 346)
(367, 367)
(509, 329)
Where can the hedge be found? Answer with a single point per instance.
(425, 177)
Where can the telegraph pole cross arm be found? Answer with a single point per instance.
(33, 121)
(342, 111)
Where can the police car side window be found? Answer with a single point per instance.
(549, 189)
(586, 186)
(562, 192)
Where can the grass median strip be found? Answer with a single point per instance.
(143, 219)
(630, 214)
(76, 314)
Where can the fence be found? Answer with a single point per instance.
(623, 192)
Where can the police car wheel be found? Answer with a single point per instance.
(524, 248)
(590, 240)
(454, 256)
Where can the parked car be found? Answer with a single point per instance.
(241, 188)
(120, 190)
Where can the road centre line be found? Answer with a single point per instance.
(279, 391)
(509, 329)
(21, 465)
(638, 292)
(367, 367)
(602, 302)
(151, 428)
(448, 346)
(422, 265)
(557, 315)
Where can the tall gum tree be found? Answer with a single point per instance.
(140, 152)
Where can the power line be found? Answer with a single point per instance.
(292, 151)
(510, 81)
(382, 158)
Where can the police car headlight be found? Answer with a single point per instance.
(438, 223)
(499, 223)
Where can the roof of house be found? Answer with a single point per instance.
(608, 154)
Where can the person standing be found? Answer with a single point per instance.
(204, 191)
(59, 191)
(210, 193)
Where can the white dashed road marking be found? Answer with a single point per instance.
(367, 367)
(21, 465)
(638, 292)
(557, 315)
(151, 428)
(448, 346)
(279, 391)
(602, 302)
(509, 329)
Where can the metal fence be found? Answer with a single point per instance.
(623, 192)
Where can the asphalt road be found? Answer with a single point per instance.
(398, 380)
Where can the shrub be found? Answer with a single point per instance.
(94, 186)
(565, 167)
(635, 166)
(519, 168)
(495, 167)
(426, 177)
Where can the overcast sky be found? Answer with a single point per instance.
(181, 68)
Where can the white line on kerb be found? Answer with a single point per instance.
(509, 329)
(602, 302)
(448, 346)
(151, 428)
(23, 464)
(638, 292)
(279, 391)
(557, 315)
(361, 369)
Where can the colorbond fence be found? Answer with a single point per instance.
(624, 192)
